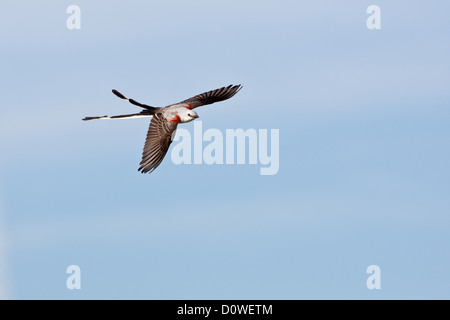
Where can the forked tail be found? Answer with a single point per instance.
(121, 96)
(144, 113)
(149, 110)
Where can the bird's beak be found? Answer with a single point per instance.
(195, 116)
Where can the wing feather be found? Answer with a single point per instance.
(213, 96)
(159, 138)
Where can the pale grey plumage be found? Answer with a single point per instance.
(165, 121)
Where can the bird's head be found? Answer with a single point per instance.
(187, 115)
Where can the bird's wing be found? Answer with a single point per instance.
(213, 96)
(159, 138)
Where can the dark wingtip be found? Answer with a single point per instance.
(235, 87)
(144, 170)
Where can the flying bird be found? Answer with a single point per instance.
(165, 121)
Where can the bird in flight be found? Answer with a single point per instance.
(165, 121)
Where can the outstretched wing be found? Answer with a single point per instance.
(213, 96)
(159, 138)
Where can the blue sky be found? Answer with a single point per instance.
(364, 176)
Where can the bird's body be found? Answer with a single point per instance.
(181, 112)
(165, 121)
